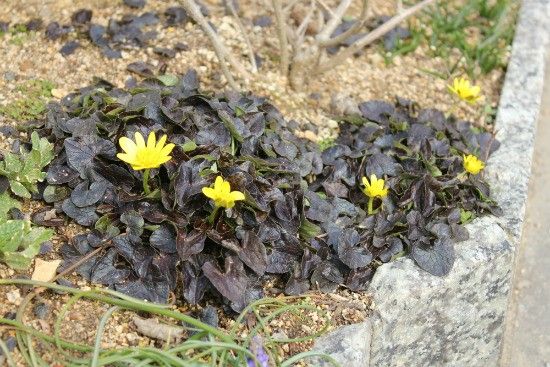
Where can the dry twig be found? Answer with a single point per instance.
(219, 48)
(371, 37)
(281, 32)
(244, 34)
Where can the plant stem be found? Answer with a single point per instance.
(212, 215)
(369, 208)
(146, 181)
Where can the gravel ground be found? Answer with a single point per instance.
(362, 78)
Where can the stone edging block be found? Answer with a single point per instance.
(458, 320)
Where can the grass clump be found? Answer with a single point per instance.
(208, 346)
(33, 104)
(479, 30)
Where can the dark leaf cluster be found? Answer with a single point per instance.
(126, 32)
(303, 219)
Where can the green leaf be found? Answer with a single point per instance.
(36, 237)
(466, 216)
(31, 171)
(189, 146)
(44, 150)
(53, 193)
(17, 260)
(228, 123)
(168, 80)
(18, 189)
(12, 163)
(105, 225)
(6, 203)
(11, 234)
(308, 230)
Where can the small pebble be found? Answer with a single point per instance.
(9, 76)
(262, 21)
(14, 296)
(11, 343)
(209, 315)
(41, 310)
(10, 315)
(136, 4)
(46, 247)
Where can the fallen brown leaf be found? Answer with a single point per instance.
(44, 271)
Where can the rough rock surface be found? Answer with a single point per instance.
(423, 320)
(348, 345)
(458, 320)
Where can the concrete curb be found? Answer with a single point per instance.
(458, 320)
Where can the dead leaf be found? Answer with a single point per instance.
(58, 93)
(157, 330)
(45, 271)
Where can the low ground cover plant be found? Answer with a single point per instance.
(229, 196)
(19, 174)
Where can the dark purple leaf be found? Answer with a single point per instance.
(81, 17)
(351, 251)
(81, 152)
(69, 48)
(252, 252)
(437, 258)
(85, 216)
(164, 239)
(83, 195)
(150, 290)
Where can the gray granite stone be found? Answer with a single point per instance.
(458, 320)
(348, 345)
(509, 167)
(423, 320)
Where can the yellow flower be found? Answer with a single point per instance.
(462, 89)
(472, 164)
(375, 188)
(221, 193)
(141, 156)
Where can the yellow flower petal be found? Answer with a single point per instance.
(209, 192)
(236, 195)
(167, 149)
(218, 183)
(161, 142)
(163, 160)
(127, 145)
(125, 157)
(464, 90)
(151, 140)
(145, 156)
(225, 187)
(140, 142)
(221, 193)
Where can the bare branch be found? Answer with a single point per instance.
(372, 36)
(350, 32)
(251, 56)
(326, 7)
(334, 20)
(219, 48)
(288, 8)
(302, 28)
(225, 70)
(281, 30)
(399, 6)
